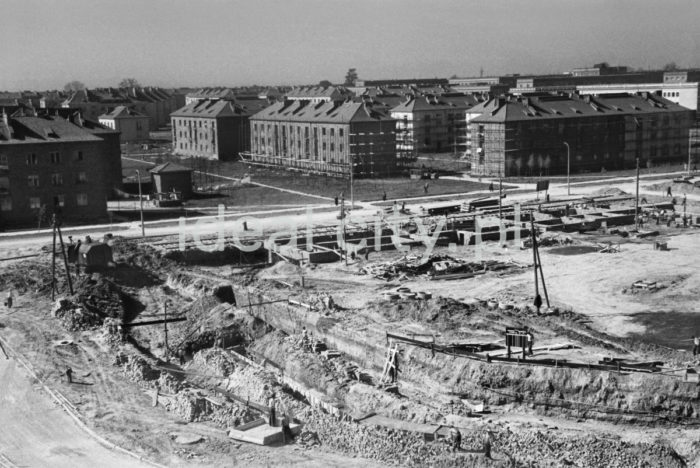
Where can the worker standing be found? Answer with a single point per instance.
(271, 408)
(530, 340)
(455, 439)
(696, 345)
(286, 431)
(69, 375)
(487, 445)
(8, 300)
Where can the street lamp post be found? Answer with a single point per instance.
(568, 169)
(143, 228)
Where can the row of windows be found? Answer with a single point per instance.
(56, 179)
(671, 94)
(81, 199)
(32, 159)
(197, 123)
(341, 131)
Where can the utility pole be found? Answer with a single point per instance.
(342, 220)
(568, 169)
(165, 329)
(53, 263)
(352, 190)
(500, 195)
(690, 149)
(143, 228)
(636, 202)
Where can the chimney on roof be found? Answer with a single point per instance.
(78, 119)
(4, 117)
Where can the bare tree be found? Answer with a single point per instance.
(129, 83)
(73, 86)
(671, 66)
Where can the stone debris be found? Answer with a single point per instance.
(186, 438)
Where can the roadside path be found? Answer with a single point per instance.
(35, 432)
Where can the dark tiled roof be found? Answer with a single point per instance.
(433, 102)
(210, 109)
(326, 112)
(50, 128)
(122, 112)
(312, 92)
(540, 107)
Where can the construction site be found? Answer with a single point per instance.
(525, 331)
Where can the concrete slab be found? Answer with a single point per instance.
(261, 433)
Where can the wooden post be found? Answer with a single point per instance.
(53, 262)
(165, 326)
(636, 200)
(65, 259)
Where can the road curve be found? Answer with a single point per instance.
(36, 432)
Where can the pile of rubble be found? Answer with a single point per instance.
(548, 239)
(191, 405)
(435, 267)
(232, 415)
(389, 446)
(99, 295)
(137, 369)
(74, 317)
(547, 449)
(214, 361)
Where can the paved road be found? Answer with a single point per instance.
(35, 432)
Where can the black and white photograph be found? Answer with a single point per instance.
(368, 233)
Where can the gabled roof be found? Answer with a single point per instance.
(169, 167)
(315, 92)
(558, 106)
(326, 112)
(211, 109)
(427, 102)
(50, 128)
(122, 112)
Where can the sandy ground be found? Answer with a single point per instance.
(30, 419)
(114, 407)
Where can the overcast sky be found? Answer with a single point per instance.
(46, 43)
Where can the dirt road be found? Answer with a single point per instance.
(36, 432)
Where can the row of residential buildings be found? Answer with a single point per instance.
(68, 157)
(522, 131)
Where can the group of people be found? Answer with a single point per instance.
(273, 407)
(455, 441)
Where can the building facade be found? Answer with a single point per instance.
(50, 163)
(131, 125)
(213, 129)
(431, 124)
(528, 135)
(330, 138)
